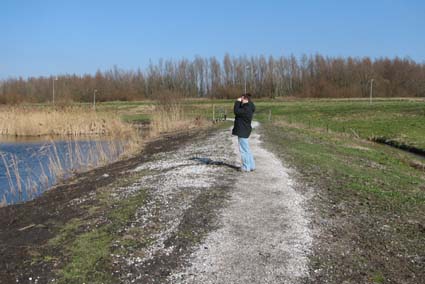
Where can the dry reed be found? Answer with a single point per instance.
(16, 172)
(8, 175)
(60, 165)
(3, 201)
(69, 121)
(118, 140)
(169, 114)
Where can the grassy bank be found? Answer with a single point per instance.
(369, 198)
(400, 120)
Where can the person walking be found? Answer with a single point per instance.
(244, 110)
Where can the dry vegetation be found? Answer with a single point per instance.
(169, 115)
(67, 121)
(105, 136)
(166, 120)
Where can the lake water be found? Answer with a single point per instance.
(28, 167)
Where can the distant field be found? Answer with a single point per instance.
(402, 120)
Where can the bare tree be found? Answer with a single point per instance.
(311, 76)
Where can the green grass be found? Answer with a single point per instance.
(378, 278)
(126, 209)
(66, 233)
(352, 165)
(87, 248)
(89, 252)
(142, 111)
(400, 120)
(89, 257)
(139, 117)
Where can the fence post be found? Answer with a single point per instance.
(270, 114)
(213, 113)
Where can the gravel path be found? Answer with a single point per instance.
(185, 187)
(264, 235)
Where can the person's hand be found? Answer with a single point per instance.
(239, 99)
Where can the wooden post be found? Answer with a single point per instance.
(270, 114)
(213, 113)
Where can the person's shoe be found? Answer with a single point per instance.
(252, 170)
(243, 170)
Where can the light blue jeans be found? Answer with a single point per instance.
(248, 163)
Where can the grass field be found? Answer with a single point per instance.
(402, 120)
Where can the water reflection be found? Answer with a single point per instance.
(29, 166)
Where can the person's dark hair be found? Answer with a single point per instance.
(248, 96)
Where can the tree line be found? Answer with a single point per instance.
(306, 76)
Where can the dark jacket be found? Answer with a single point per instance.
(243, 117)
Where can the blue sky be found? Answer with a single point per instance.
(44, 37)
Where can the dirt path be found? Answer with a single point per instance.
(264, 235)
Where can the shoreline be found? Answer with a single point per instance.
(28, 226)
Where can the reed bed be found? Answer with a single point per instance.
(170, 115)
(105, 137)
(170, 119)
(114, 140)
(66, 121)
